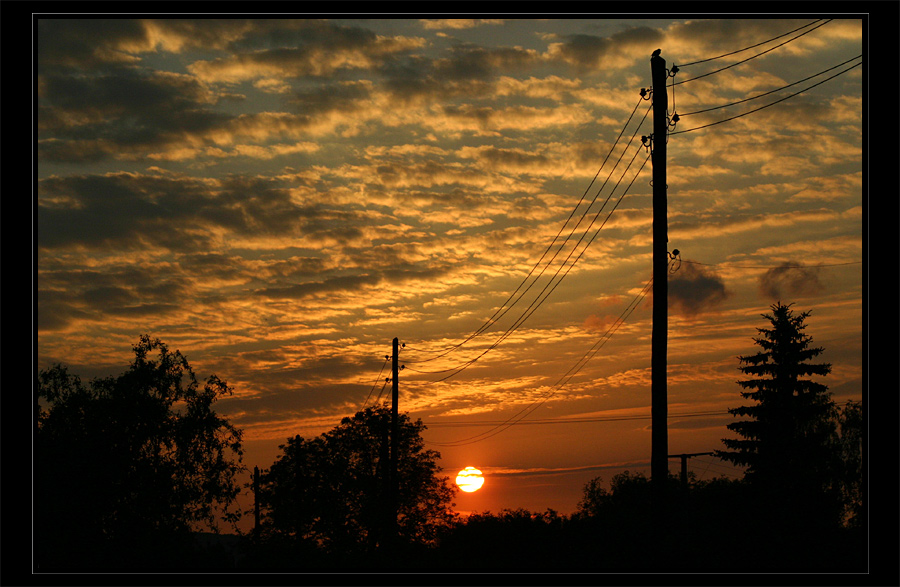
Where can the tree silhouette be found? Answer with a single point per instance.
(789, 445)
(127, 466)
(513, 541)
(332, 492)
(850, 428)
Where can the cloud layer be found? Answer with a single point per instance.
(280, 198)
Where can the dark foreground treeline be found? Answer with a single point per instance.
(128, 467)
(714, 528)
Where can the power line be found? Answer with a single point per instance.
(771, 91)
(555, 421)
(721, 470)
(749, 58)
(500, 312)
(784, 266)
(540, 300)
(386, 359)
(382, 389)
(519, 416)
(752, 46)
(767, 105)
(582, 420)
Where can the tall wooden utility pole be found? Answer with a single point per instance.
(659, 465)
(395, 481)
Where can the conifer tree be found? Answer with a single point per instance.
(789, 443)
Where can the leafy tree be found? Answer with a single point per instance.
(628, 497)
(127, 466)
(331, 490)
(621, 519)
(514, 540)
(789, 444)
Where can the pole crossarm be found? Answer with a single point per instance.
(689, 455)
(684, 459)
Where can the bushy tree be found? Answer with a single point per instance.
(125, 467)
(331, 491)
(514, 540)
(788, 443)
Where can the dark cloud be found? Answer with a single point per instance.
(695, 290)
(344, 97)
(791, 279)
(467, 71)
(126, 211)
(82, 43)
(331, 285)
(119, 211)
(55, 310)
(121, 113)
(123, 289)
(467, 62)
(492, 157)
(305, 49)
(264, 34)
(106, 296)
(589, 51)
(123, 92)
(375, 275)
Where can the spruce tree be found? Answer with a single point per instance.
(789, 444)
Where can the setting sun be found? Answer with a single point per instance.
(469, 479)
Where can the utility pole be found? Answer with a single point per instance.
(659, 465)
(684, 458)
(395, 481)
(687, 536)
(256, 502)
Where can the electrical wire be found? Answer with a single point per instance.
(751, 57)
(769, 92)
(722, 470)
(788, 266)
(383, 365)
(382, 390)
(532, 307)
(752, 46)
(583, 420)
(521, 414)
(767, 105)
(544, 294)
(500, 312)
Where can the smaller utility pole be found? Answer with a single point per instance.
(684, 459)
(256, 502)
(687, 531)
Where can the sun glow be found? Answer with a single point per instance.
(469, 479)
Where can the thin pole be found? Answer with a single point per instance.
(684, 459)
(256, 501)
(395, 371)
(659, 466)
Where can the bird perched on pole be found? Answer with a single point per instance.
(656, 53)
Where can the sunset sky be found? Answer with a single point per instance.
(279, 198)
